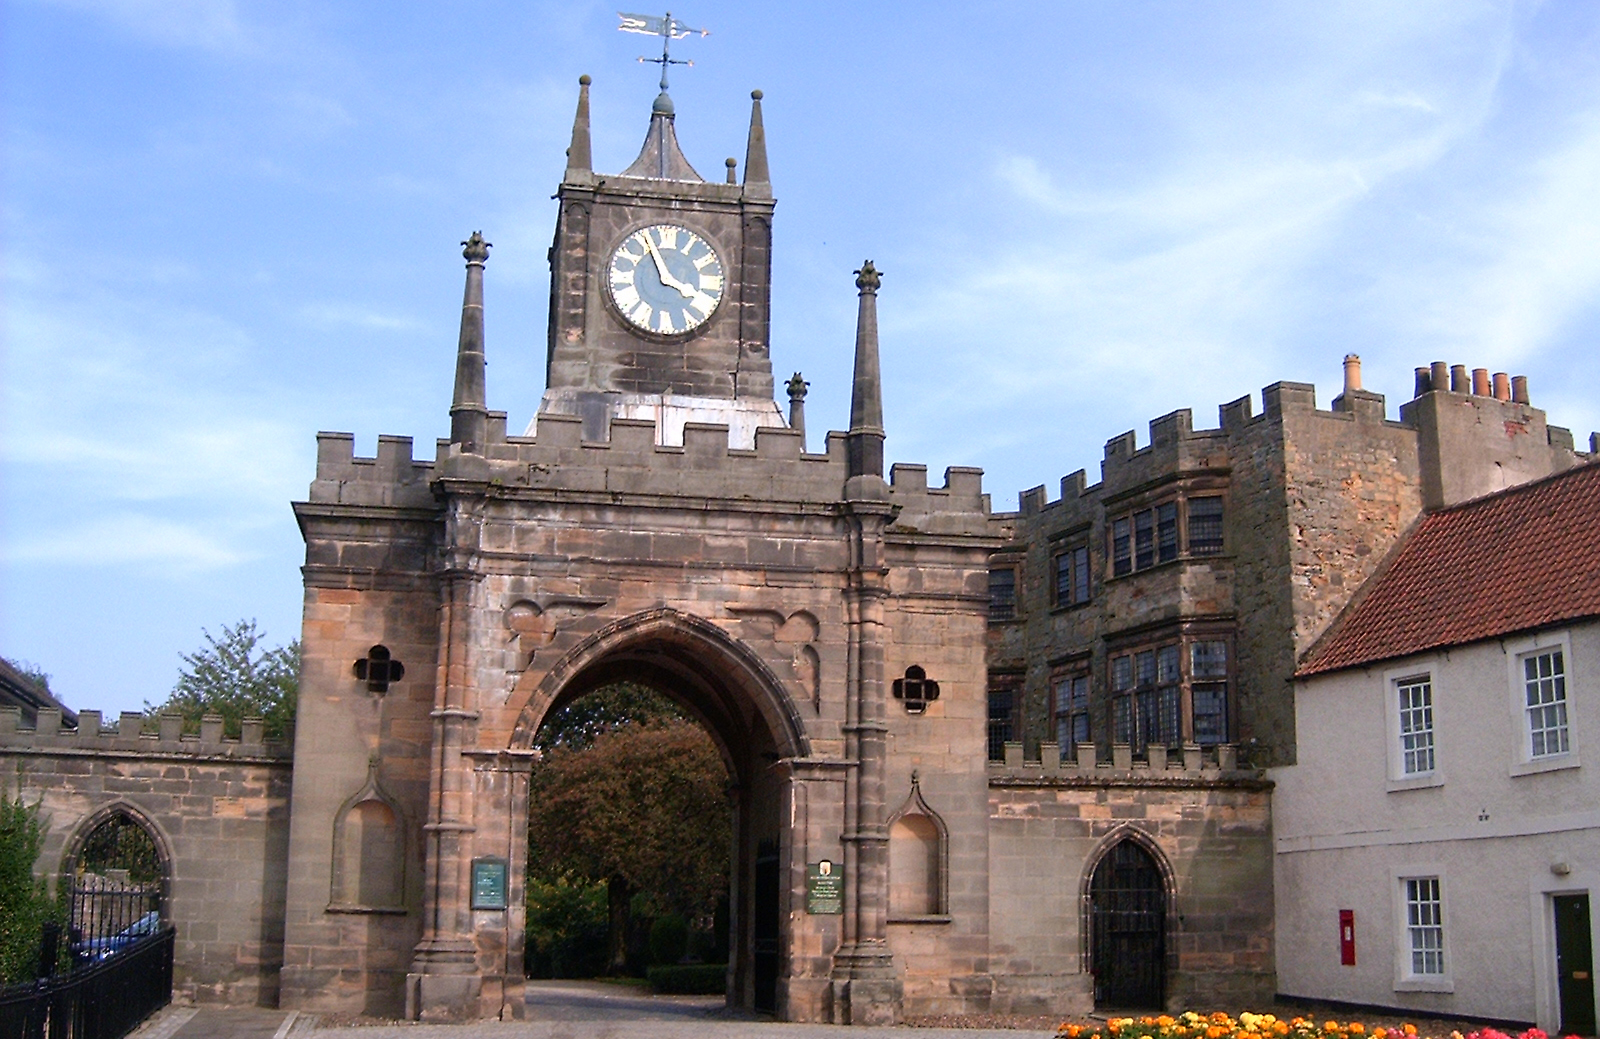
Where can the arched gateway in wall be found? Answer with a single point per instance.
(660, 521)
(755, 725)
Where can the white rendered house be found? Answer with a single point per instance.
(1438, 840)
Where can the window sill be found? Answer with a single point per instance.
(1070, 606)
(1439, 984)
(1424, 782)
(1169, 564)
(931, 918)
(1552, 763)
(360, 910)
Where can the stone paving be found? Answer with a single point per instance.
(556, 1010)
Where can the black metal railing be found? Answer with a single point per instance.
(121, 966)
(104, 998)
(108, 915)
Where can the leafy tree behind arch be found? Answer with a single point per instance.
(237, 676)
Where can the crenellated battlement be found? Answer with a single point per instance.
(630, 461)
(1189, 765)
(1456, 419)
(126, 737)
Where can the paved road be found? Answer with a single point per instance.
(556, 1010)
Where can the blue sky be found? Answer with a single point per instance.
(231, 224)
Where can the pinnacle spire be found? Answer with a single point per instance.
(756, 179)
(865, 439)
(660, 158)
(469, 412)
(579, 154)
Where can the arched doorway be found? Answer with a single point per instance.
(725, 687)
(116, 873)
(1127, 928)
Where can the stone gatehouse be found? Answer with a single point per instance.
(1031, 743)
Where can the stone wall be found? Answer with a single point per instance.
(1315, 501)
(218, 809)
(1212, 829)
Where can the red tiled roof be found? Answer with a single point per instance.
(1521, 559)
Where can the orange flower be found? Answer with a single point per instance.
(1357, 1028)
(1409, 1029)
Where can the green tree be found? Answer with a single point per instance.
(576, 725)
(25, 904)
(236, 676)
(31, 671)
(643, 808)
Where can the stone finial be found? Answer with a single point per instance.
(733, 167)
(579, 157)
(865, 439)
(469, 412)
(757, 180)
(797, 406)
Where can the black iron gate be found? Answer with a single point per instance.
(1127, 930)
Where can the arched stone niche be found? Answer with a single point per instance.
(369, 852)
(919, 845)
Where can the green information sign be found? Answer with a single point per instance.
(824, 889)
(489, 883)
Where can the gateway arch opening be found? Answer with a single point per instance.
(655, 815)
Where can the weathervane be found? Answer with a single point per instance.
(668, 29)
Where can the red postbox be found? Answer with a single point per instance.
(1347, 937)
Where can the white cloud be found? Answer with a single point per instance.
(206, 24)
(332, 314)
(126, 538)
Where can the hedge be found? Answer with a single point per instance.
(689, 979)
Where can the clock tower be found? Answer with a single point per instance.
(659, 288)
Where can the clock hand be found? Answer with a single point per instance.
(661, 269)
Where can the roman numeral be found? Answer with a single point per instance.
(711, 282)
(640, 315)
(621, 277)
(666, 323)
(627, 297)
(703, 304)
(668, 237)
(704, 261)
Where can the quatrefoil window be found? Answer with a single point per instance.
(378, 669)
(916, 690)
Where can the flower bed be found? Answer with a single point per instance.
(1257, 1026)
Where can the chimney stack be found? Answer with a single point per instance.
(1352, 372)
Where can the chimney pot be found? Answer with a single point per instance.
(1458, 379)
(1439, 374)
(1480, 381)
(1519, 389)
(1502, 386)
(1424, 382)
(1352, 372)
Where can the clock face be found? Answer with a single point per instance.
(665, 279)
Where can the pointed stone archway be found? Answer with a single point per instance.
(751, 719)
(753, 722)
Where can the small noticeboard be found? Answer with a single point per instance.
(824, 889)
(489, 883)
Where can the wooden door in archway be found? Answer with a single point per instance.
(1127, 919)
